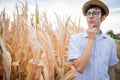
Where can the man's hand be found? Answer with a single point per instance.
(92, 32)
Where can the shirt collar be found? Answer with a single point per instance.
(99, 36)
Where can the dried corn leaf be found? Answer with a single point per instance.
(6, 60)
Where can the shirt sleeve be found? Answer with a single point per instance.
(74, 50)
(113, 58)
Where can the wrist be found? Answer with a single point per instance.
(91, 41)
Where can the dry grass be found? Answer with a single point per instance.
(117, 67)
(33, 50)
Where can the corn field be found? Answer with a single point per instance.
(30, 49)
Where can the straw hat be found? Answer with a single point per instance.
(98, 3)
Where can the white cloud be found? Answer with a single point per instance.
(117, 9)
(62, 7)
(112, 22)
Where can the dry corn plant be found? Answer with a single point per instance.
(5, 58)
(35, 51)
(65, 28)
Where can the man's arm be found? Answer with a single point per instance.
(81, 63)
(111, 72)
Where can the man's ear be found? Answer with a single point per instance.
(103, 18)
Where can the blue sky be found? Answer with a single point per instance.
(69, 7)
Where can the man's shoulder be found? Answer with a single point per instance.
(79, 35)
(108, 38)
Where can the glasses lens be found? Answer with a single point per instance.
(94, 14)
(88, 13)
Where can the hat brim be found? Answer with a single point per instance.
(98, 3)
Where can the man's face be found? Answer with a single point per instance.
(94, 17)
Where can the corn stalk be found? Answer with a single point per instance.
(35, 50)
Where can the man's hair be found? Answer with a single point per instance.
(94, 6)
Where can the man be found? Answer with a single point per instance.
(92, 53)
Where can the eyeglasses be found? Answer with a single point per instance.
(94, 14)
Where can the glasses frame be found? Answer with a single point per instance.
(94, 14)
